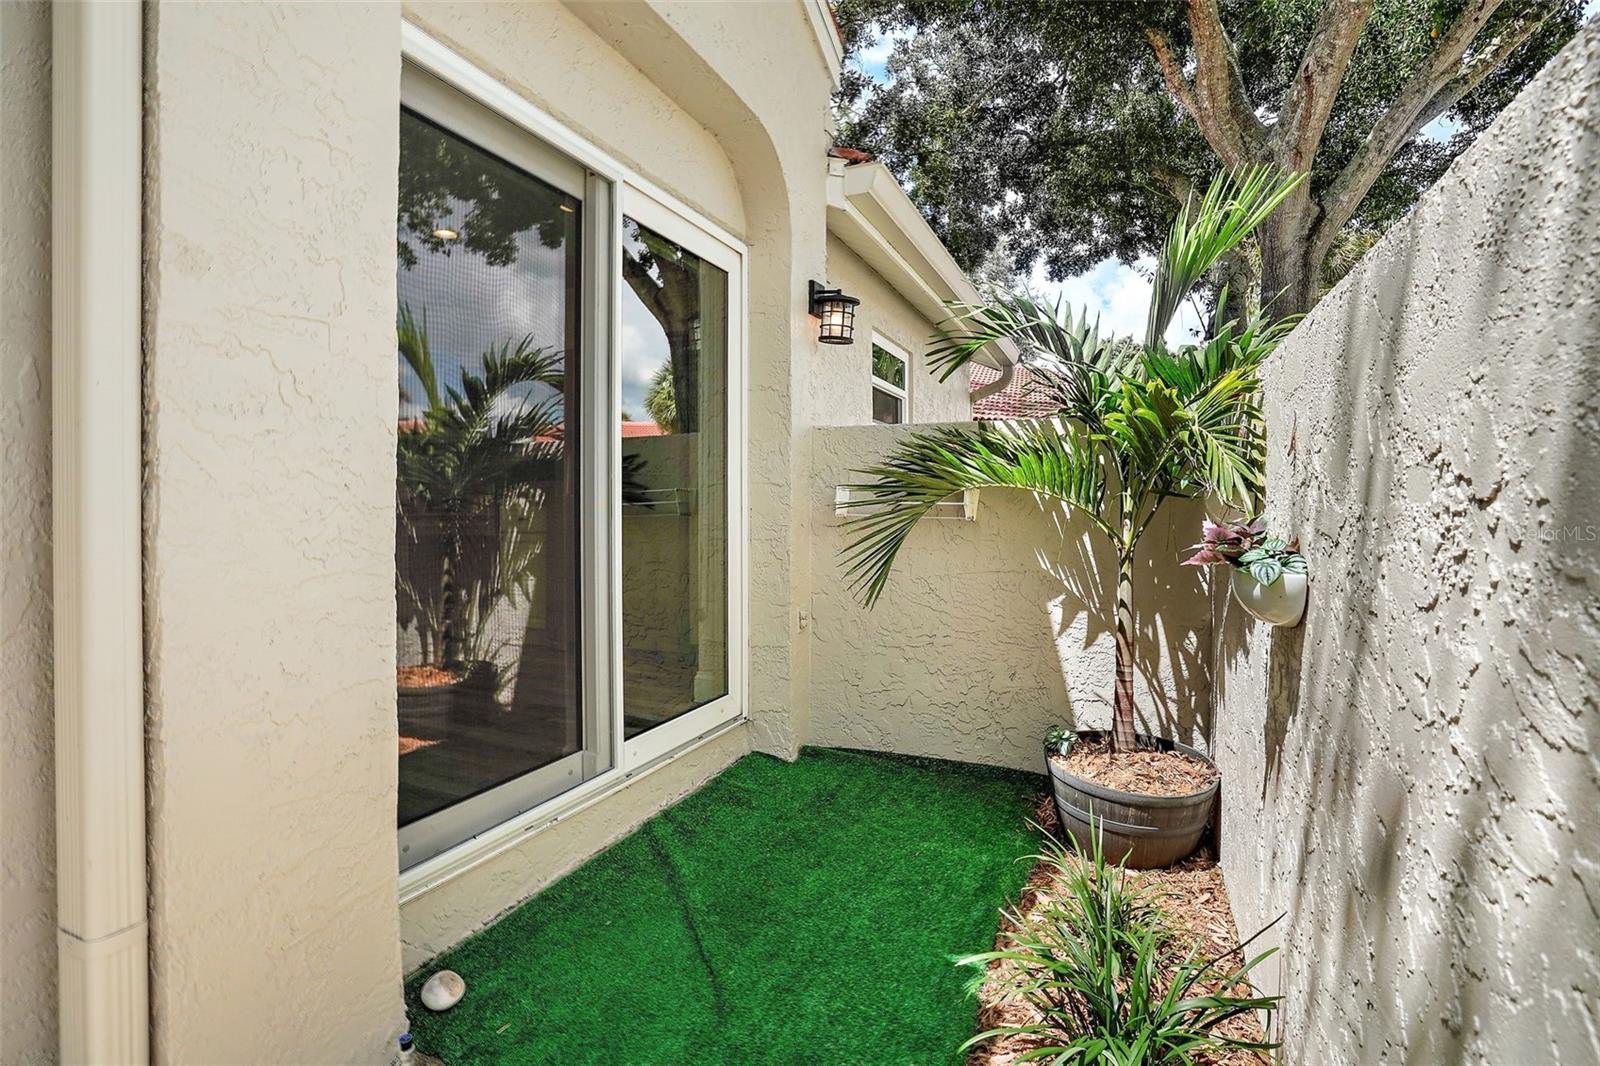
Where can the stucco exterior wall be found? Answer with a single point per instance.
(27, 809)
(1412, 775)
(994, 630)
(845, 371)
(272, 149)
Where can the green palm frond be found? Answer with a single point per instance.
(1049, 331)
(1144, 421)
(412, 338)
(1225, 436)
(1236, 203)
(1049, 458)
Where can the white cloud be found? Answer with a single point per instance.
(1120, 295)
(644, 349)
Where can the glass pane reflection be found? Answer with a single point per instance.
(674, 438)
(486, 535)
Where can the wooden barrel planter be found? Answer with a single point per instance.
(1150, 831)
(424, 712)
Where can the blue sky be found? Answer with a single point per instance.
(1120, 293)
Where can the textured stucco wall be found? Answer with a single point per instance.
(992, 631)
(1412, 776)
(848, 367)
(27, 812)
(270, 306)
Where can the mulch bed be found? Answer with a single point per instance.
(425, 676)
(1194, 900)
(1148, 773)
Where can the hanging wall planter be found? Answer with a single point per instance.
(1268, 573)
(1282, 603)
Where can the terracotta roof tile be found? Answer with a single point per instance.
(1023, 396)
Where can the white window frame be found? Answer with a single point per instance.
(902, 392)
(641, 199)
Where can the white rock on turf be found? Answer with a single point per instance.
(443, 990)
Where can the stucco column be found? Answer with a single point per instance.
(271, 386)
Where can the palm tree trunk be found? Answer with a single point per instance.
(1122, 725)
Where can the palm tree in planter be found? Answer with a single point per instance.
(472, 473)
(1139, 424)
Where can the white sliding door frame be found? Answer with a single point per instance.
(670, 222)
(601, 673)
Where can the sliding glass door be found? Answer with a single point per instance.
(566, 533)
(674, 436)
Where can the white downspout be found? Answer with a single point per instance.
(1008, 370)
(101, 905)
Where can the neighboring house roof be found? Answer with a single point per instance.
(873, 216)
(1023, 396)
(641, 429)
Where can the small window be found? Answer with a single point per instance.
(888, 383)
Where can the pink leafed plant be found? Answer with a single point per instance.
(1224, 542)
(1244, 545)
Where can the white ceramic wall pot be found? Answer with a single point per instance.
(1282, 603)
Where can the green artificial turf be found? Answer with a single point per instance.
(800, 912)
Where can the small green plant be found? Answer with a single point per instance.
(1102, 966)
(1058, 740)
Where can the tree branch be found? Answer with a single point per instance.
(1172, 72)
(1316, 84)
(1216, 97)
(1175, 183)
(1218, 82)
(1437, 86)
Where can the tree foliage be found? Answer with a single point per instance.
(1063, 133)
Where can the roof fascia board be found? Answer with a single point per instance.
(826, 29)
(868, 206)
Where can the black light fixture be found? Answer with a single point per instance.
(836, 311)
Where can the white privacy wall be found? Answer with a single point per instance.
(1412, 776)
(992, 631)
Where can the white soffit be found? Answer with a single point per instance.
(873, 216)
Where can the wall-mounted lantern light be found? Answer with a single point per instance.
(836, 311)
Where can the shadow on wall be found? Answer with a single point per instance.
(1171, 659)
(1420, 753)
(992, 631)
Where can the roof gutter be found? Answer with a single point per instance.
(1007, 372)
(873, 216)
(96, 188)
(829, 41)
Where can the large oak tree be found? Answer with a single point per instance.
(1069, 131)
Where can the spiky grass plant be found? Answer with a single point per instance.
(1112, 985)
(1139, 424)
